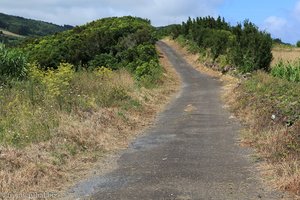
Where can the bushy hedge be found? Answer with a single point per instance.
(244, 46)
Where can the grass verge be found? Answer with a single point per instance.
(270, 108)
(96, 115)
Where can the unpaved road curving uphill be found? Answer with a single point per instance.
(190, 153)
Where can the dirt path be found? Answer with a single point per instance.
(191, 152)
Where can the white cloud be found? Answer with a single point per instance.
(75, 12)
(275, 24)
(286, 28)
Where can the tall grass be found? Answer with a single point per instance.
(30, 109)
(287, 70)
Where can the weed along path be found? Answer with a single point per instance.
(190, 153)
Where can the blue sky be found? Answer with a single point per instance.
(280, 18)
(256, 10)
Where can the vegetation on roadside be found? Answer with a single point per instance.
(31, 109)
(241, 47)
(271, 108)
(46, 79)
(74, 94)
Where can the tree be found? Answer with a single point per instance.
(298, 44)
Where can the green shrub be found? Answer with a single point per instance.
(219, 43)
(181, 40)
(252, 49)
(148, 73)
(146, 53)
(56, 82)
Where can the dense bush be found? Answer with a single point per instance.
(10, 41)
(252, 49)
(243, 46)
(104, 60)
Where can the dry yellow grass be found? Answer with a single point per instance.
(285, 54)
(50, 166)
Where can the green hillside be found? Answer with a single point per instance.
(14, 29)
(29, 27)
